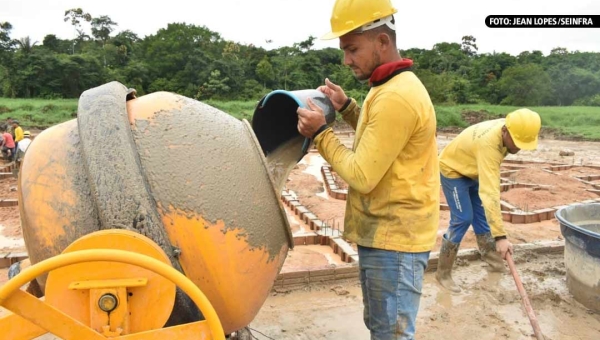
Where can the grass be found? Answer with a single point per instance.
(569, 121)
(38, 113)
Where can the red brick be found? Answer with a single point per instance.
(346, 270)
(321, 272)
(313, 239)
(299, 240)
(532, 218)
(323, 278)
(300, 280)
(9, 202)
(517, 218)
(293, 275)
(347, 276)
(318, 224)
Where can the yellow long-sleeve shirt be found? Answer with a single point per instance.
(19, 134)
(477, 153)
(392, 169)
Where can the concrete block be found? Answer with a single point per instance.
(506, 216)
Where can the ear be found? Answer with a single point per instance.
(384, 40)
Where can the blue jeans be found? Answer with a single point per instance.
(391, 284)
(466, 209)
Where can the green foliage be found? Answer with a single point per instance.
(526, 84)
(197, 62)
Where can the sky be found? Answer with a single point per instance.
(420, 23)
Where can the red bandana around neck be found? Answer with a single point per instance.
(385, 70)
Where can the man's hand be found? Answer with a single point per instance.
(334, 93)
(310, 120)
(503, 246)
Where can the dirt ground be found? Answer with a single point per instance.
(488, 308)
(556, 188)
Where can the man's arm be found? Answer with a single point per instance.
(391, 123)
(351, 112)
(488, 163)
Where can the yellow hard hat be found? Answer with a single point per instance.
(349, 15)
(524, 126)
(26, 133)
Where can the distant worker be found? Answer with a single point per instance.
(18, 134)
(470, 176)
(392, 171)
(8, 143)
(23, 145)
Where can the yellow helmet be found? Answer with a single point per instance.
(349, 15)
(524, 126)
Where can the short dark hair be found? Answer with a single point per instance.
(383, 29)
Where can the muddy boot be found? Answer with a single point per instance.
(487, 249)
(445, 262)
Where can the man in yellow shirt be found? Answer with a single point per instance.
(18, 130)
(470, 176)
(392, 210)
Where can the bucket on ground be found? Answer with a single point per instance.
(580, 227)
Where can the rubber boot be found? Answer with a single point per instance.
(487, 249)
(445, 262)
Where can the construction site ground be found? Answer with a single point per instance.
(489, 306)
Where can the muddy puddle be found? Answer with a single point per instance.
(488, 308)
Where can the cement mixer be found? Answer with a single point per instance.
(155, 217)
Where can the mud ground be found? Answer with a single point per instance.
(488, 308)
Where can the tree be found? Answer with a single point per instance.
(6, 43)
(306, 44)
(215, 87)
(525, 85)
(264, 71)
(468, 45)
(570, 83)
(25, 45)
(77, 16)
(102, 27)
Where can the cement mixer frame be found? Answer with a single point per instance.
(109, 314)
